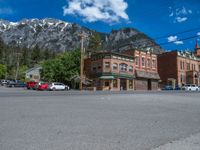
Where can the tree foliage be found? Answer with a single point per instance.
(2, 71)
(95, 42)
(28, 58)
(63, 68)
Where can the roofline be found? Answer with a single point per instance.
(113, 53)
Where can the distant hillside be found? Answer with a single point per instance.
(60, 36)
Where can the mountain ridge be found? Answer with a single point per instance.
(60, 36)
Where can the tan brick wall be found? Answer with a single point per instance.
(141, 84)
(154, 85)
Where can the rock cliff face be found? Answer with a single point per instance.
(61, 36)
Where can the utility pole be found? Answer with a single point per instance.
(81, 62)
(18, 55)
(17, 70)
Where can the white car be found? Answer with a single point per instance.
(58, 86)
(191, 87)
(4, 82)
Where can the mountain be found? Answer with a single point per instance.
(60, 36)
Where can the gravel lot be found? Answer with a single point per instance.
(72, 120)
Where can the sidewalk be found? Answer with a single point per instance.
(190, 143)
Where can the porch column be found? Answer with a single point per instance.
(127, 84)
(118, 84)
(133, 84)
(111, 85)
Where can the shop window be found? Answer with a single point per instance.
(115, 83)
(106, 83)
(130, 84)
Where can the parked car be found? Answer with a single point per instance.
(167, 87)
(177, 88)
(42, 86)
(58, 86)
(191, 87)
(4, 82)
(16, 83)
(31, 84)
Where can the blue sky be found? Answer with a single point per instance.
(156, 18)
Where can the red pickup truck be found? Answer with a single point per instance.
(31, 85)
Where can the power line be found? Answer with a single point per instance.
(177, 33)
(166, 43)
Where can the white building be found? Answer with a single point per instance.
(33, 74)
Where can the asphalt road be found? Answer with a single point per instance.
(72, 120)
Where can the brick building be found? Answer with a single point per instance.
(183, 67)
(110, 71)
(146, 71)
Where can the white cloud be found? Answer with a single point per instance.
(178, 42)
(181, 19)
(174, 39)
(180, 15)
(198, 33)
(6, 11)
(98, 10)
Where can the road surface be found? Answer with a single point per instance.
(72, 120)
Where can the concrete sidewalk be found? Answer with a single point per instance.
(189, 143)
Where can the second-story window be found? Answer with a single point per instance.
(123, 67)
(181, 65)
(148, 63)
(130, 69)
(115, 66)
(153, 63)
(143, 62)
(137, 61)
(188, 66)
(107, 64)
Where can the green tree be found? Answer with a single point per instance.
(36, 55)
(3, 71)
(62, 68)
(22, 70)
(95, 42)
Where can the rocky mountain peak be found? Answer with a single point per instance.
(58, 35)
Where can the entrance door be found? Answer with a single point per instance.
(149, 84)
(123, 84)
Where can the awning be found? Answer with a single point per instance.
(148, 75)
(107, 77)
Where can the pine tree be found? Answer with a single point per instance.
(95, 42)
